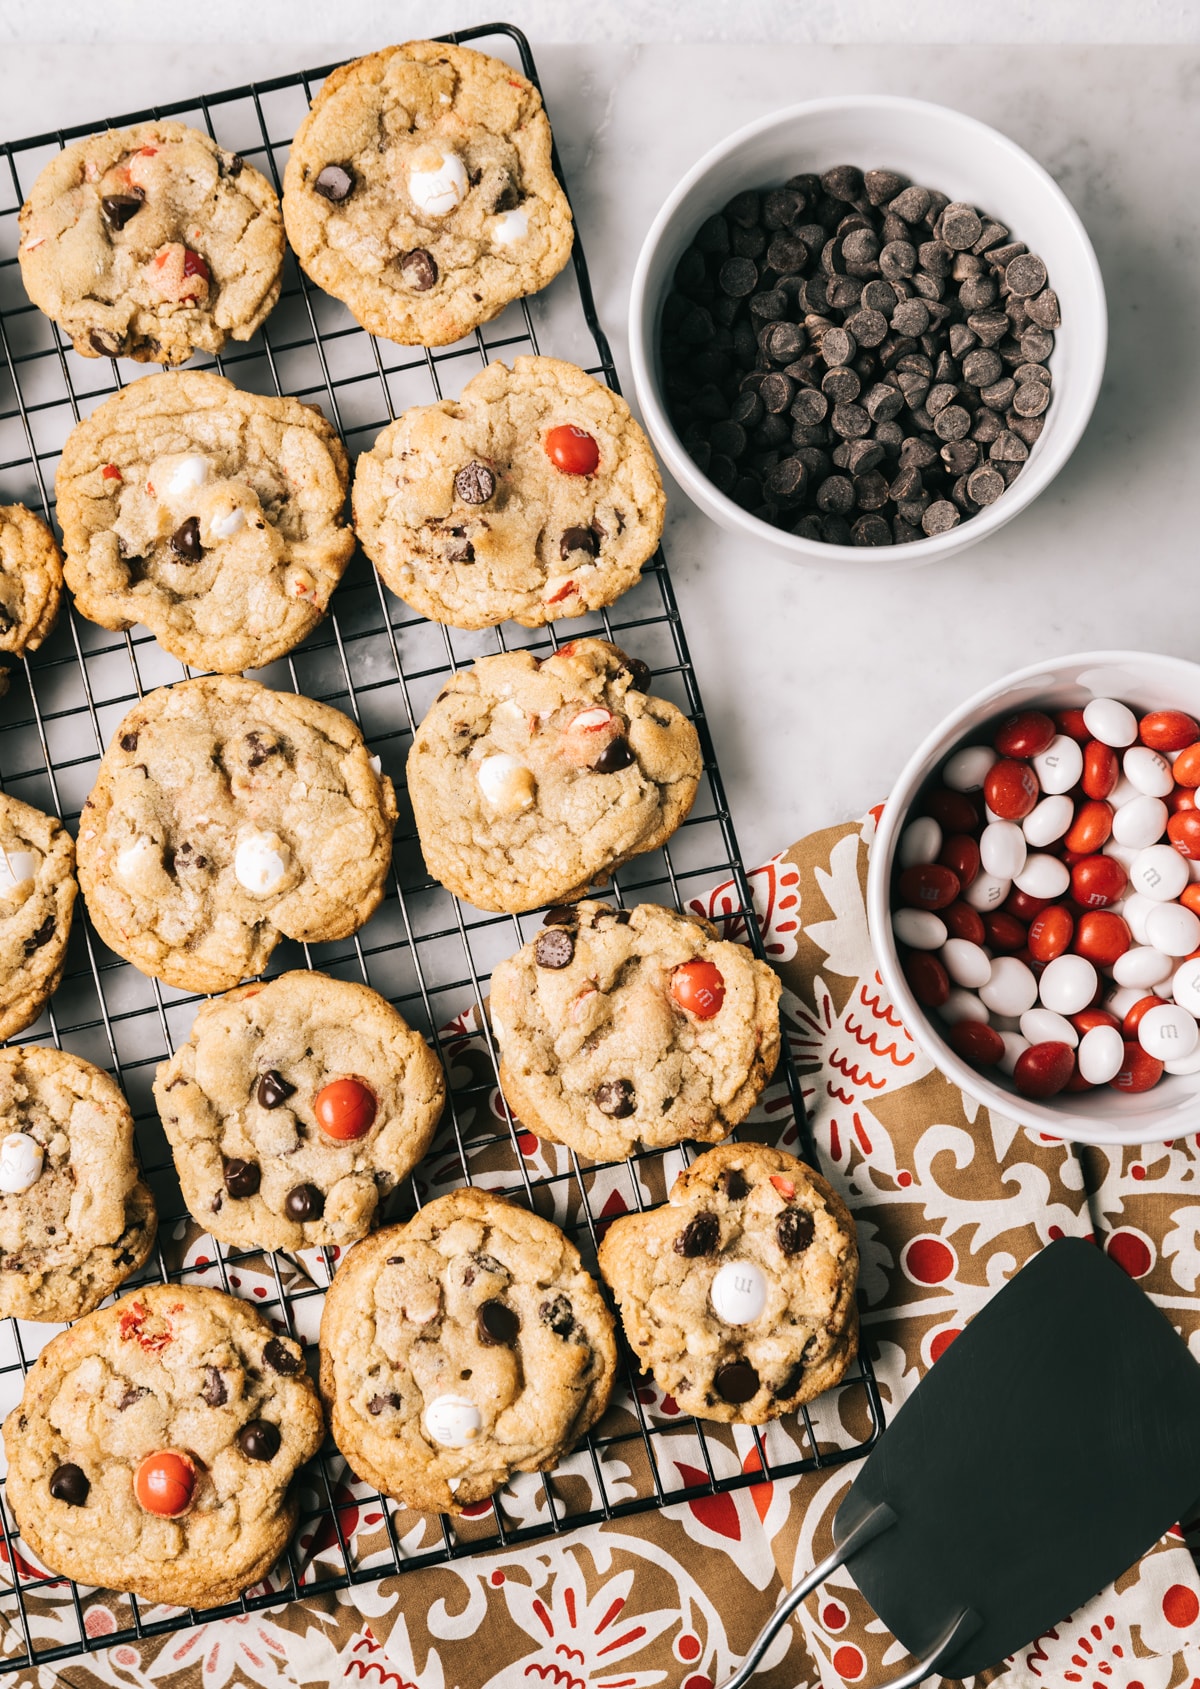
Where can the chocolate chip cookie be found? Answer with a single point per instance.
(151, 243)
(213, 516)
(37, 895)
(31, 580)
(533, 496)
(460, 1348)
(294, 1108)
(225, 817)
(420, 190)
(532, 780)
(75, 1218)
(626, 1026)
(738, 1294)
(156, 1446)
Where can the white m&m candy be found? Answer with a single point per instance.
(437, 181)
(20, 1163)
(967, 769)
(1043, 876)
(1068, 984)
(16, 866)
(1050, 820)
(1011, 989)
(508, 227)
(921, 841)
(260, 863)
(987, 891)
(1172, 929)
(1003, 849)
(1142, 966)
(1059, 766)
(1168, 1032)
(452, 1421)
(962, 1005)
(1101, 1054)
(1043, 1026)
(1158, 872)
(738, 1293)
(920, 929)
(189, 473)
(1185, 985)
(1148, 771)
(967, 964)
(1141, 822)
(1111, 722)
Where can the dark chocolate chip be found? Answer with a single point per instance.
(273, 1089)
(259, 1440)
(639, 674)
(578, 539)
(736, 1381)
(42, 936)
(70, 1483)
(335, 183)
(460, 551)
(214, 1391)
(230, 163)
(132, 1394)
(733, 1183)
(497, 1325)
(377, 1404)
(185, 541)
(419, 269)
(1025, 274)
(558, 1316)
(304, 1202)
(242, 1178)
(615, 1098)
(554, 947)
(794, 1230)
(117, 209)
(699, 1237)
(615, 756)
(790, 1382)
(129, 741)
(107, 344)
(475, 483)
(260, 749)
(277, 1357)
(561, 915)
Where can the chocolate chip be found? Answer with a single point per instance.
(419, 269)
(940, 517)
(214, 1391)
(475, 483)
(230, 163)
(273, 1089)
(277, 1357)
(304, 1202)
(335, 183)
(794, 1230)
(639, 674)
(117, 209)
(615, 1098)
(738, 277)
(554, 947)
(260, 749)
(129, 741)
(561, 915)
(844, 181)
(460, 551)
(1025, 275)
(578, 539)
(733, 1183)
(107, 344)
(557, 1314)
(790, 1382)
(960, 226)
(259, 1440)
(42, 936)
(377, 1404)
(132, 1394)
(185, 541)
(70, 1483)
(497, 1325)
(242, 1178)
(699, 1237)
(615, 756)
(736, 1381)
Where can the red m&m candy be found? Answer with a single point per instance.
(699, 988)
(1011, 790)
(572, 450)
(164, 1483)
(345, 1109)
(1024, 735)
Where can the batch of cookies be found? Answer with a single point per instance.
(157, 1445)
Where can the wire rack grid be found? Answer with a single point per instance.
(428, 953)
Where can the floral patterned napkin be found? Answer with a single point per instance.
(949, 1201)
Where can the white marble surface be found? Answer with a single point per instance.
(816, 687)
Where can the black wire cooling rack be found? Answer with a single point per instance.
(428, 953)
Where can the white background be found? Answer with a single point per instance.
(816, 688)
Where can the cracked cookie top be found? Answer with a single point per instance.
(295, 1108)
(213, 516)
(224, 817)
(75, 1218)
(626, 1026)
(534, 495)
(156, 1443)
(532, 780)
(738, 1294)
(420, 190)
(462, 1347)
(151, 243)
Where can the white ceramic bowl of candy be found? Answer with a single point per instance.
(954, 155)
(1034, 896)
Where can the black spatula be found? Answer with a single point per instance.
(1052, 1444)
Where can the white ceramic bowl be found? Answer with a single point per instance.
(1102, 1116)
(941, 149)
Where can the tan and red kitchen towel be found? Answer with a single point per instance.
(949, 1201)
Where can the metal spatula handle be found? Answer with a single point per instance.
(878, 1519)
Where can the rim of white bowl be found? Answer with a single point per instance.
(1040, 1117)
(1040, 471)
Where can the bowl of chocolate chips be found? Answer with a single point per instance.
(867, 329)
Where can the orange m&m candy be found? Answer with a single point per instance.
(345, 1109)
(164, 1483)
(699, 988)
(572, 450)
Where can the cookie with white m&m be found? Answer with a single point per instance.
(462, 1347)
(531, 780)
(224, 817)
(534, 495)
(738, 1294)
(626, 1026)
